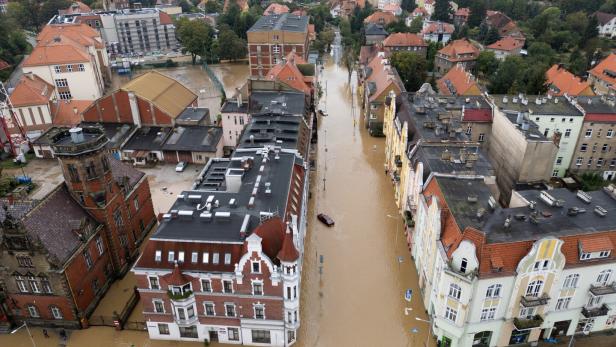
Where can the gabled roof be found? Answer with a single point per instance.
(31, 90)
(393, 8)
(4, 65)
(506, 44)
(78, 32)
(275, 8)
(165, 18)
(288, 252)
(288, 73)
(176, 277)
(438, 28)
(379, 17)
(561, 81)
(603, 17)
(458, 81)
(404, 40)
(382, 77)
(166, 93)
(272, 233)
(76, 7)
(419, 11)
(459, 47)
(375, 29)
(606, 69)
(68, 112)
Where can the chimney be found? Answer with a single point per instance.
(520, 118)
(76, 135)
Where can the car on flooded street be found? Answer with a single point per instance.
(325, 219)
(181, 166)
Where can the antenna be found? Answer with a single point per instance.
(6, 108)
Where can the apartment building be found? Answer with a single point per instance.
(603, 75)
(72, 58)
(556, 117)
(458, 52)
(595, 150)
(496, 276)
(435, 31)
(606, 24)
(405, 42)
(560, 82)
(273, 37)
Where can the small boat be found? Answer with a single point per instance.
(408, 295)
(325, 219)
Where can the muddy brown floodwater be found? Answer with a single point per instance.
(357, 297)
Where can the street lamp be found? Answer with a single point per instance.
(27, 329)
(429, 329)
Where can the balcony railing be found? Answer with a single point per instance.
(606, 289)
(525, 324)
(187, 321)
(595, 311)
(532, 301)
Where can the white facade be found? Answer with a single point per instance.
(83, 85)
(233, 125)
(608, 29)
(382, 3)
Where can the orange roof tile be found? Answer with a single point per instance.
(606, 69)
(460, 47)
(596, 244)
(393, 8)
(165, 18)
(507, 44)
(275, 8)
(404, 40)
(438, 27)
(561, 81)
(31, 90)
(288, 252)
(458, 81)
(75, 8)
(288, 73)
(57, 54)
(497, 262)
(68, 113)
(80, 33)
(4, 65)
(380, 17)
(176, 277)
(382, 76)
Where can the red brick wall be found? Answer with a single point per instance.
(146, 209)
(123, 105)
(43, 303)
(161, 117)
(144, 111)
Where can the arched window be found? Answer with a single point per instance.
(571, 281)
(604, 277)
(534, 288)
(455, 291)
(494, 291)
(463, 265)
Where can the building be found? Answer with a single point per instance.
(272, 38)
(393, 8)
(500, 276)
(294, 72)
(381, 4)
(114, 5)
(594, 151)
(76, 7)
(460, 17)
(505, 47)
(375, 34)
(242, 4)
(405, 42)
(457, 81)
(275, 8)
(344, 8)
(59, 262)
(3, 4)
(603, 75)
(235, 117)
(379, 80)
(505, 25)
(380, 18)
(72, 58)
(437, 31)
(458, 52)
(560, 82)
(606, 24)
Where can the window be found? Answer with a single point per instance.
(534, 288)
(555, 173)
(604, 277)
(158, 256)
(227, 258)
(180, 256)
(546, 132)
(256, 267)
(257, 288)
(34, 285)
(206, 257)
(494, 291)
(604, 254)
(584, 256)
(69, 68)
(136, 204)
(488, 313)
(227, 286)
(571, 281)
(233, 334)
(65, 95)
(542, 265)
(259, 312)
(72, 172)
(578, 161)
(190, 312)
(552, 120)
(158, 306)
(451, 314)
(600, 162)
(171, 256)
(206, 286)
(24, 261)
(481, 137)
(21, 284)
(99, 245)
(563, 303)
(613, 162)
(117, 217)
(527, 312)
(215, 258)
(454, 291)
(209, 309)
(61, 82)
(33, 311)
(163, 329)
(46, 285)
(567, 132)
(469, 129)
(604, 148)
(463, 265)
(189, 332)
(57, 68)
(594, 301)
(584, 147)
(81, 67)
(87, 258)
(275, 49)
(610, 133)
(230, 310)
(559, 160)
(154, 282)
(588, 133)
(261, 336)
(599, 132)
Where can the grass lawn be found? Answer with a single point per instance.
(9, 164)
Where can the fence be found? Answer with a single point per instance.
(215, 80)
(106, 321)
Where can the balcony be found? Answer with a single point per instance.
(525, 324)
(398, 161)
(187, 321)
(396, 176)
(534, 301)
(606, 289)
(180, 296)
(595, 311)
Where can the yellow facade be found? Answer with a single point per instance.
(397, 163)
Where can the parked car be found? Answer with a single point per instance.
(325, 219)
(181, 166)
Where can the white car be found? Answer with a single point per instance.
(181, 166)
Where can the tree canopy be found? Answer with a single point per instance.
(196, 37)
(411, 67)
(230, 46)
(442, 11)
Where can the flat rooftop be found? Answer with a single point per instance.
(117, 133)
(597, 104)
(148, 139)
(459, 159)
(277, 102)
(536, 104)
(283, 22)
(532, 133)
(467, 199)
(231, 195)
(194, 115)
(272, 129)
(194, 138)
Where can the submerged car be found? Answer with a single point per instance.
(181, 166)
(325, 219)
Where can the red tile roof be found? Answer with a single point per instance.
(31, 90)
(404, 40)
(4, 65)
(438, 27)
(275, 8)
(600, 117)
(419, 11)
(272, 233)
(463, 12)
(380, 17)
(176, 277)
(165, 19)
(606, 69)
(288, 252)
(561, 81)
(458, 81)
(288, 73)
(507, 44)
(383, 77)
(392, 8)
(460, 47)
(477, 115)
(596, 244)
(75, 8)
(68, 113)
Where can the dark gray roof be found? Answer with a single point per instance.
(272, 129)
(603, 17)
(194, 115)
(552, 220)
(230, 106)
(597, 104)
(459, 159)
(46, 138)
(148, 139)
(467, 199)
(556, 105)
(284, 22)
(277, 102)
(124, 173)
(198, 138)
(191, 223)
(117, 133)
(375, 29)
(51, 222)
(533, 133)
(16, 208)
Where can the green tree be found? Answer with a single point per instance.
(578, 63)
(442, 11)
(408, 5)
(491, 37)
(186, 6)
(327, 37)
(196, 37)
(319, 16)
(416, 25)
(486, 64)
(433, 48)
(478, 13)
(212, 6)
(397, 27)
(591, 30)
(502, 81)
(411, 67)
(541, 51)
(13, 44)
(230, 46)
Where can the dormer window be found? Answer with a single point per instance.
(256, 267)
(595, 248)
(158, 256)
(463, 265)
